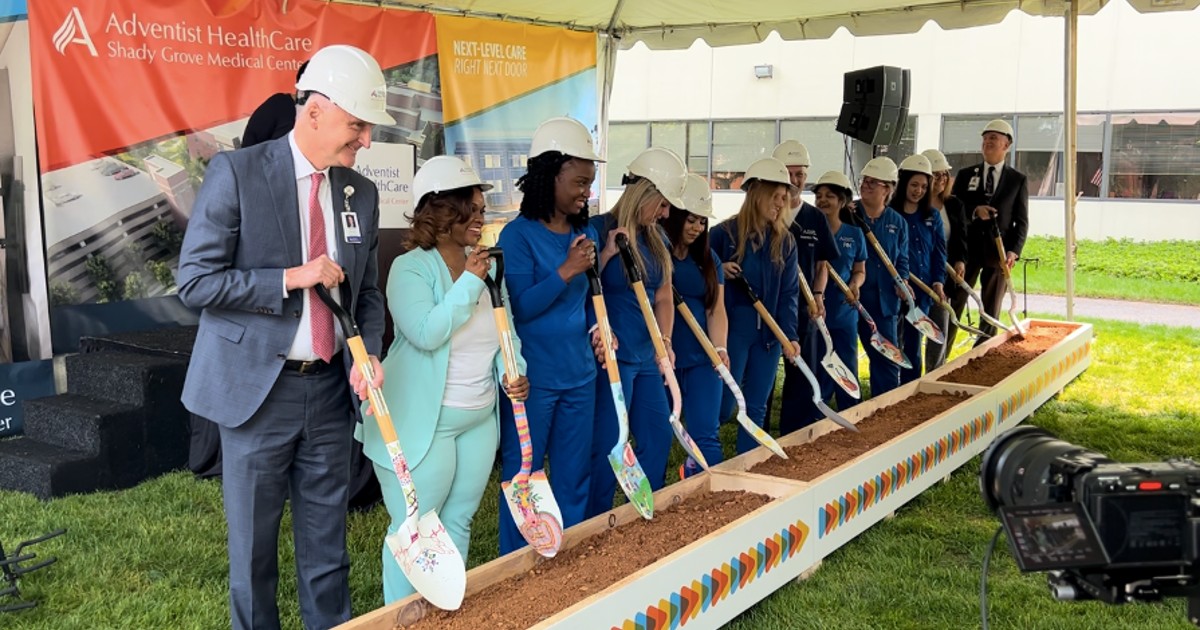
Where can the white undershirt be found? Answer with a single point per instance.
(470, 379)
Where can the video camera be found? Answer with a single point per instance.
(1102, 529)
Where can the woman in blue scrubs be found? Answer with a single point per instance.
(926, 250)
(698, 278)
(880, 295)
(547, 250)
(755, 244)
(654, 182)
(833, 198)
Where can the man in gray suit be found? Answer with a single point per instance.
(270, 223)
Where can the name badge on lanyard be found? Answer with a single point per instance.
(973, 184)
(350, 228)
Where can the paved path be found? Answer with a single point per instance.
(1120, 310)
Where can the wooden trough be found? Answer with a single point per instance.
(707, 583)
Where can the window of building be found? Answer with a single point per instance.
(1155, 156)
(625, 141)
(961, 138)
(689, 140)
(735, 145)
(826, 147)
(1038, 153)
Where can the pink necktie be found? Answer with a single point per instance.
(320, 317)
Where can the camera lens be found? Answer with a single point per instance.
(1016, 467)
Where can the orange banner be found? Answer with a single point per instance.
(109, 74)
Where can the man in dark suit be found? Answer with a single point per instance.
(273, 118)
(993, 194)
(268, 365)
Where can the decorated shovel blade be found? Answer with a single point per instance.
(816, 397)
(925, 325)
(755, 431)
(834, 365)
(535, 511)
(430, 560)
(681, 434)
(881, 344)
(632, 479)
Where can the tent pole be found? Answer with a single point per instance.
(1070, 76)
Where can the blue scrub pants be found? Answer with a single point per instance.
(701, 389)
(754, 366)
(560, 428)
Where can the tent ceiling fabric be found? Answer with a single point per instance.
(677, 24)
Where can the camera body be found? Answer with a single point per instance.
(1103, 530)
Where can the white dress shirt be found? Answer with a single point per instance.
(302, 345)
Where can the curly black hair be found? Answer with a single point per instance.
(537, 185)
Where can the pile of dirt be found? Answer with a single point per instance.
(996, 364)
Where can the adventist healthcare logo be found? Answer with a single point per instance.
(73, 31)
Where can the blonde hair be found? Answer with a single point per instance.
(753, 225)
(626, 211)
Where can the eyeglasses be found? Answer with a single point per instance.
(868, 182)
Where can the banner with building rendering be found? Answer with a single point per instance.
(133, 99)
(501, 80)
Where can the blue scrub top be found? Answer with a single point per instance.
(777, 286)
(624, 313)
(551, 316)
(853, 246)
(689, 281)
(926, 251)
(879, 291)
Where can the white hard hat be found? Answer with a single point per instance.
(350, 78)
(835, 178)
(937, 160)
(443, 173)
(697, 196)
(999, 126)
(565, 135)
(665, 170)
(791, 153)
(918, 164)
(768, 170)
(881, 168)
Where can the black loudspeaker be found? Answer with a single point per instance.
(875, 104)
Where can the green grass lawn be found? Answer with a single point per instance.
(154, 556)
(1153, 272)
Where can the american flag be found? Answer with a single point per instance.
(1098, 177)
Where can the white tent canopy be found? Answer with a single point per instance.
(676, 24)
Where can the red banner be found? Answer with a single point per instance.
(109, 74)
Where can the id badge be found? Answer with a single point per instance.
(973, 184)
(350, 228)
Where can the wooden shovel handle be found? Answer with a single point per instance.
(691, 322)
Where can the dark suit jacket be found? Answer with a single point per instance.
(244, 231)
(1010, 199)
(956, 218)
(273, 119)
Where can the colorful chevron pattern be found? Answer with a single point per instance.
(858, 500)
(1011, 405)
(712, 588)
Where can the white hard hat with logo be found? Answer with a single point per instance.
(791, 153)
(881, 168)
(444, 173)
(999, 126)
(918, 164)
(937, 160)
(351, 78)
(767, 170)
(836, 179)
(665, 170)
(697, 196)
(565, 135)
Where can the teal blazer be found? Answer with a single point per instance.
(427, 308)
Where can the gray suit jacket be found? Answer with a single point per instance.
(244, 231)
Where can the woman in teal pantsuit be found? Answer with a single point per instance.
(443, 367)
